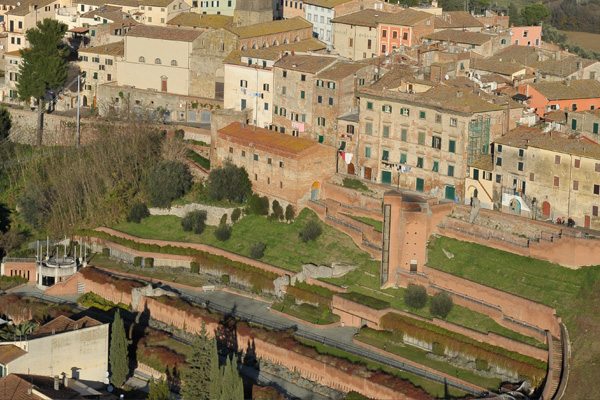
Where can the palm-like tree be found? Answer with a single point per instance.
(11, 331)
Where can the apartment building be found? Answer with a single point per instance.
(406, 28)
(98, 65)
(355, 35)
(458, 20)
(585, 123)
(526, 35)
(570, 95)
(12, 69)
(158, 12)
(483, 44)
(572, 68)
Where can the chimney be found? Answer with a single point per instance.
(56, 382)
(459, 94)
(568, 82)
(65, 380)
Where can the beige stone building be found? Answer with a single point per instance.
(355, 35)
(484, 44)
(158, 12)
(12, 67)
(567, 68)
(282, 167)
(98, 65)
(273, 33)
(458, 20)
(585, 123)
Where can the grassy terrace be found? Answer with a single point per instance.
(306, 312)
(574, 293)
(377, 225)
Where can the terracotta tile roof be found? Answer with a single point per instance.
(456, 19)
(266, 139)
(485, 163)
(104, 12)
(303, 63)
(10, 352)
(452, 35)
(564, 67)
(274, 53)
(24, 8)
(156, 3)
(195, 20)
(116, 49)
(340, 70)
(577, 89)
(496, 66)
(270, 28)
(45, 386)
(123, 3)
(14, 53)
(63, 324)
(14, 388)
(523, 137)
(595, 112)
(557, 116)
(164, 33)
(495, 78)
(368, 18)
(326, 3)
(404, 18)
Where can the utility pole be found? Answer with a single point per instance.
(78, 105)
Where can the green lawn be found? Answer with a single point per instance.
(377, 225)
(306, 312)
(284, 247)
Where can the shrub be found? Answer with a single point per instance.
(106, 252)
(258, 205)
(194, 221)
(415, 296)
(223, 219)
(441, 305)
(257, 250)
(223, 232)
(179, 134)
(225, 279)
(167, 181)
(229, 182)
(438, 349)
(354, 184)
(481, 365)
(235, 215)
(311, 231)
(149, 262)
(277, 210)
(138, 212)
(289, 213)
(137, 261)
(194, 267)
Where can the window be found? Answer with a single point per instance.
(597, 167)
(243, 83)
(383, 48)
(350, 129)
(280, 164)
(330, 85)
(157, 61)
(331, 101)
(521, 153)
(369, 105)
(109, 77)
(596, 189)
(556, 181)
(520, 166)
(386, 131)
(420, 162)
(386, 108)
(531, 176)
(574, 124)
(350, 42)
(384, 33)
(595, 128)
(403, 134)
(285, 74)
(149, 18)
(275, 110)
(368, 152)
(283, 90)
(174, 63)
(421, 139)
(556, 159)
(436, 142)
(321, 121)
(319, 99)
(498, 178)
(421, 114)
(577, 163)
(255, 157)
(142, 59)
(438, 119)
(498, 161)
(243, 105)
(231, 150)
(395, 35)
(303, 77)
(574, 106)
(369, 128)
(302, 94)
(450, 170)
(386, 155)
(453, 122)
(269, 161)
(369, 44)
(95, 75)
(403, 158)
(320, 83)
(405, 112)
(436, 166)
(266, 87)
(266, 107)
(595, 211)
(499, 148)
(405, 35)
(575, 185)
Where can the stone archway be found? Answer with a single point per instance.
(515, 207)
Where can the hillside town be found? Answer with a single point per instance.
(316, 199)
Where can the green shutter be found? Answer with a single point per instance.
(574, 124)
(595, 127)
(386, 155)
(402, 158)
(320, 138)
(436, 165)
(452, 146)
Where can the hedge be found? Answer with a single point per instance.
(528, 366)
(122, 284)
(306, 295)
(258, 278)
(194, 267)
(91, 299)
(137, 261)
(148, 262)
(365, 300)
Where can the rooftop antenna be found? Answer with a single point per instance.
(47, 246)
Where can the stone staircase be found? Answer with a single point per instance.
(474, 210)
(556, 368)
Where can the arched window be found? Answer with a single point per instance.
(255, 46)
(285, 41)
(142, 59)
(243, 48)
(296, 39)
(276, 43)
(265, 45)
(173, 63)
(157, 61)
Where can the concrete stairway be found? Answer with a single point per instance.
(555, 368)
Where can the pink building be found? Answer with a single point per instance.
(292, 8)
(404, 28)
(526, 35)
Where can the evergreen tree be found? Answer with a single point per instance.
(119, 360)
(44, 65)
(232, 384)
(513, 13)
(5, 123)
(159, 390)
(202, 380)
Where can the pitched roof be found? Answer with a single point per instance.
(405, 18)
(116, 49)
(576, 89)
(525, 55)
(271, 27)
(15, 388)
(326, 3)
(274, 53)
(456, 19)
(45, 386)
(524, 137)
(109, 12)
(564, 67)
(10, 352)
(361, 18)
(23, 9)
(267, 139)
(63, 324)
(156, 3)
(196, 20)
(485, 163)
(340, 70)
(498, 67)
(304, 63)
(164, 33)
(452, 35)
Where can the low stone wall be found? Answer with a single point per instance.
(213, 214)
(316, 326)
(370, 205)
(147, 370)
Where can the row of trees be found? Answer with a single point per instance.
(416, 297)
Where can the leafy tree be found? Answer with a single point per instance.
(533, 14)
(5, 123)
(513, 13)
(119, 360)
(44, 65)
(229, 182)
(311, 231)
(32, 205)
(202, 378)
(235, 215)
(441, 304)
(232, 386)
(258, 250)
(223, 232)
(277, 210)
(194, 221)
(138, 212)
(289, 213)
(258, 205)
(159, 390)
(415, 296)
(168, 181)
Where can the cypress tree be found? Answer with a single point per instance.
(232, 384)
(202, 380)
(159, 390)
(119, 360)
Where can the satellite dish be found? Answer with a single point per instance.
(110, 388)
(376, 70)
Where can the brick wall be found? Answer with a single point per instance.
(24, 269)
(371, 206)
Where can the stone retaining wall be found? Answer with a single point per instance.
(213, 214)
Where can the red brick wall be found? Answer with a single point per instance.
(371, 206)
(24, 269)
